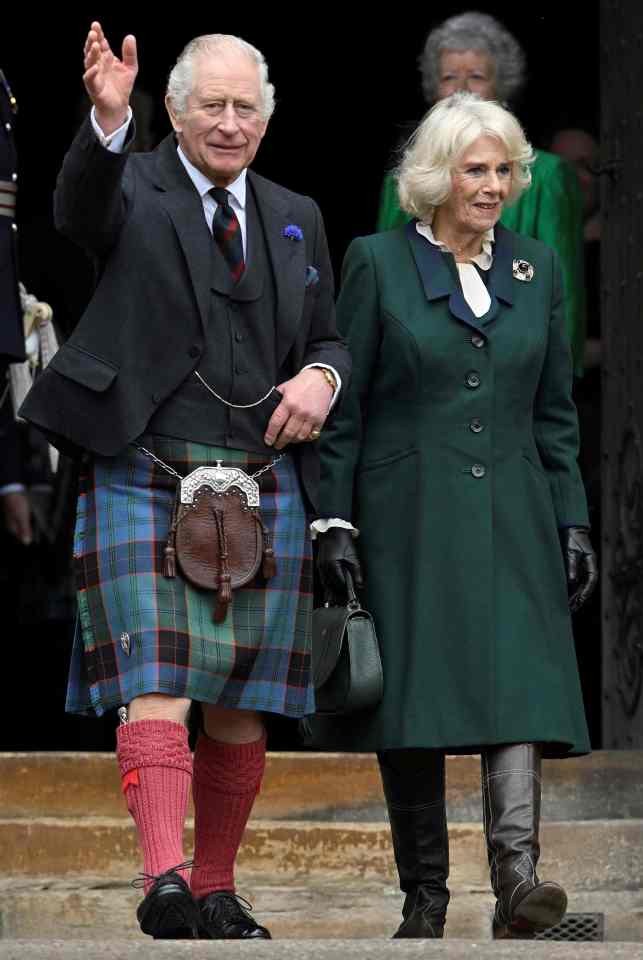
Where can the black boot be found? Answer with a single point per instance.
(511, 781)
(414, 789)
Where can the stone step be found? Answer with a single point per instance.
(316, 950)
(583, 855)
(317, 786)
(90, 909)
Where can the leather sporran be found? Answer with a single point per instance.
(217, 537)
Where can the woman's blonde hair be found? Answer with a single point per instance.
(448, 129)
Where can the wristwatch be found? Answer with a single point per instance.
(329, 377)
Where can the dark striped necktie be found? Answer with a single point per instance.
(227, 232)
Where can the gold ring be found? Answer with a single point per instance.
(314, 434)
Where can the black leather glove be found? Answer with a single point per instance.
(335, 553)
(581, 565)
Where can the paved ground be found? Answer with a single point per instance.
(316, 950)
(329, 908)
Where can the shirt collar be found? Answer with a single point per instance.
(203, 186)
(484, 259)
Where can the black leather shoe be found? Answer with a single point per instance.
(169, 911)
(223, 917)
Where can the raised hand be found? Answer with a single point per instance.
(107, 79)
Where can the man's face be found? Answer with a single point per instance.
(223, 123)
(582, 151)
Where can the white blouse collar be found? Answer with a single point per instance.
(484, 260)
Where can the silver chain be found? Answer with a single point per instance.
(235, 406)
(172, 471)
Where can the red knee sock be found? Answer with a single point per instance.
(227, 777)
(156, 769)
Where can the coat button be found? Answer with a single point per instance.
(156, 398)
(14, 227)
(194, 350)
(7, 127)
(472, 379)
(477, 340)
(14, 177)
(478, 471)
(476, 425)
(238, 337)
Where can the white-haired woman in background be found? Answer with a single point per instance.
(473, 52)
(454, 456)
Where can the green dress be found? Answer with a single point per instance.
(454, 454)
(551, 210)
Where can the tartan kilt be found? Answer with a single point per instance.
(140, 632)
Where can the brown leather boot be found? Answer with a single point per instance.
(413, 782)
(511, 780)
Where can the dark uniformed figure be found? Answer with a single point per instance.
(12, 347)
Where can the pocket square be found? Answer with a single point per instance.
(312, 276)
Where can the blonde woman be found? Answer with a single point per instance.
(454, 461)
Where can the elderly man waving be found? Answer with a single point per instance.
(210, 341)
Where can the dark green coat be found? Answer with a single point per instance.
(455, 456)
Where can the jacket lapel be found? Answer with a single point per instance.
(288, 260)
(185, 209)
(439, 277)
(501, 279)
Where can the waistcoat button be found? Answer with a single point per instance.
(478, 471)
(473, 379)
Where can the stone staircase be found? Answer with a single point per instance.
(316, 860)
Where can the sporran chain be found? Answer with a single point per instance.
(173, 473)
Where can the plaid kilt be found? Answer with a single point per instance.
(140, 632)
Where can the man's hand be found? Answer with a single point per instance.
(107, 79)
(304, 408)
(17, 516)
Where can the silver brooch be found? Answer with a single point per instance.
(125, 643)
(523, 270)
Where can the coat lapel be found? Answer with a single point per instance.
(185, 209)
(501, 280)
(439, 278)
(288, 260)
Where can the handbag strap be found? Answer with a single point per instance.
(352, 603)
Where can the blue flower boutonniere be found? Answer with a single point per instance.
(293, 232)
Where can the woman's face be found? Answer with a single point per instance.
(471, 71)
(481, 181)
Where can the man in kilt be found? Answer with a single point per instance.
(214, 285)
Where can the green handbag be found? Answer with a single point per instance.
(347, 667)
